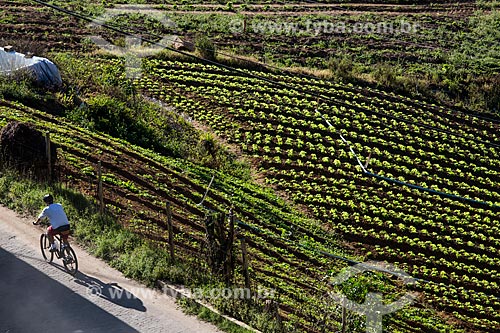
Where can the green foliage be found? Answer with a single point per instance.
(251, 312)
(281, 128)
(488, 4)
(482, 48)
(110, 115)
(21, 87)
(141, 263)
(205, 47)
(353, 214)
(84, 77)
(385, 75)
(216, 156)
(24, 197)
(350, 202)
(342, 67)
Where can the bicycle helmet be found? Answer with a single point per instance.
(48, 199)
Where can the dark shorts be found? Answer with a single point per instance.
(61, 230)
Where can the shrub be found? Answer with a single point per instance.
(342, 67)
(205, 47)
(110, 115)
(385, 75)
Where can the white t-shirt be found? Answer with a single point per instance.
(56, 215)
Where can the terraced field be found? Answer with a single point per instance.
(290, 34)
(310, 34)
(447, 235)
(24, 24)
(423, 195)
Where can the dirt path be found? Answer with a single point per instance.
(40, 297)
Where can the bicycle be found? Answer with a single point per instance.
(65, 252)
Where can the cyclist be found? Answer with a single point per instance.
(59, 223)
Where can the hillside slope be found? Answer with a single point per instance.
(287, 251)
(445, 232)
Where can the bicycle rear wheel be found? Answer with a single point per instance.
(45, 247)
(70, 261)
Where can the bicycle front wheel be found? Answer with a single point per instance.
(45, 247)
(70, 261)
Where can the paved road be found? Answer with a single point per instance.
(39, 297)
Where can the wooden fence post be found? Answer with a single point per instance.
(49, 154)
(219, 244)
(170, 232)
(229, 249)
(99, 187)
(344, 315)
(245, 262)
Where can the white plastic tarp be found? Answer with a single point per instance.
(44, 70)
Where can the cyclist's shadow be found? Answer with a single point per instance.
(109, 291)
